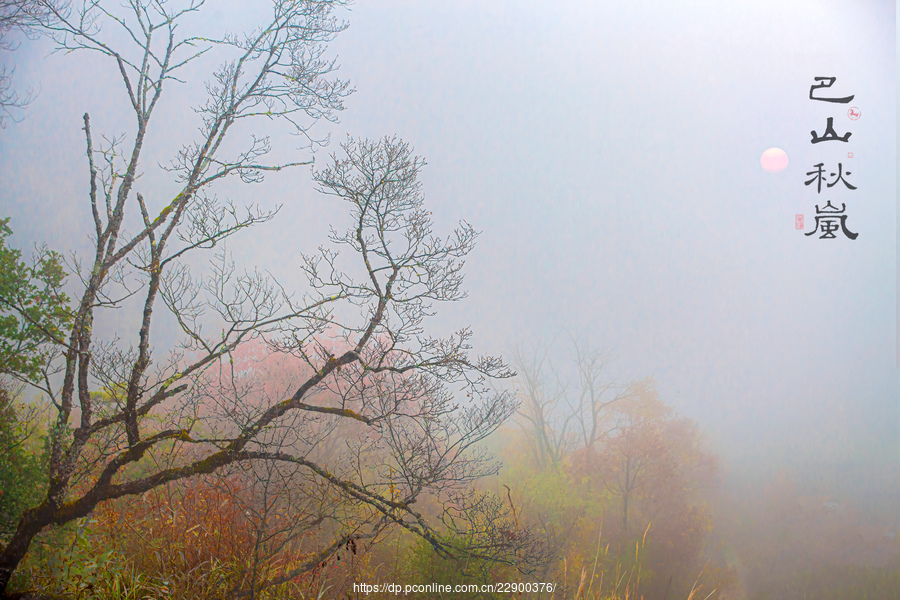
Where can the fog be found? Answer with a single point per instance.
(609, 154)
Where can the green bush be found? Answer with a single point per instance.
(424, 566)
(23, 460)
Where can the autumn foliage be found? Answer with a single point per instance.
(630, 507)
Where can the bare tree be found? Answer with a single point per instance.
(557, 416)
(358, 328)
(542, 415)
(13, 16)
(596, 393)
(22, 16)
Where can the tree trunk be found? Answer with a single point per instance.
(30, 524)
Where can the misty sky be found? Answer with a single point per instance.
(609, 152)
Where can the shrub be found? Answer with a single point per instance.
(22, 460)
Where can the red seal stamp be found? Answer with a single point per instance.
(854, 113)
(798, 221)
